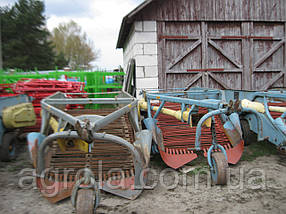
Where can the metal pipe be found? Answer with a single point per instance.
(200, 123)
(59, 113)
(177, 114)
(97, 93)
(113, 116)
(269, 95)
(201, 103)
(54, 101)
(267, 111)
(138, 162)
(49, 139)
(159, 110)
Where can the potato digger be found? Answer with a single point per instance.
(216, 122)
(82, 151)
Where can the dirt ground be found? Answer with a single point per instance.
(256, 186)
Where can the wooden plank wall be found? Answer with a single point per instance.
(245, 60)
(215, 10)
(230, 55)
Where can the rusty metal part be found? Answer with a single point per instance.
(179, 135)
(103, 157)
(85, 201)
(179, 138)
(249, 136)
(219, 170)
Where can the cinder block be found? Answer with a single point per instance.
(151, 71)
(146, 60)
(138, 26)
(138, 49)
(130, 39)
(149, 26)
(150, 49)
(145, 37)
(142, 83)
(140, 72)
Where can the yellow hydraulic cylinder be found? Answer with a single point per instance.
(253, 105)
(277, 109)
(177, 114)
(260, 107)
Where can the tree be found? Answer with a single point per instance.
(60, 61)
(25, 42)
(78, 50)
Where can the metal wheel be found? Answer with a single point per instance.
(8, 147)
(85, 201)
(248, 135)
(220, 166)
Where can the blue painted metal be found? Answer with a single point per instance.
(149, 108)
(234, 118)
(217, 146)
(213, 169)
(183, 108)
(280, 123)
(190, 113)
(2, 131)
(200, 123)
(265, 128)
(213, 104)
(34, 138)
(283, 115)
(159, 110)
(151, 125)
(221, 102)
(253, 95)
(267, 110)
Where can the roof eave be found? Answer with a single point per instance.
(127, 22)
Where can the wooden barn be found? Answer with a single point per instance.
(228, 44)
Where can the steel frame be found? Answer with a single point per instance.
(227, 104)
(88, 131)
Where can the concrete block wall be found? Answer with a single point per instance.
(142, 46)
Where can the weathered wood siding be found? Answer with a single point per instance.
(230, 55)
(215, 10)
(236, 44)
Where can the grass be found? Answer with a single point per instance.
(157, 161)
(258, 149)
(200, 164)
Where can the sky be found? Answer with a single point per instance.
(100, 19)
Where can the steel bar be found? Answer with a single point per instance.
(215, 104)
(53, 101)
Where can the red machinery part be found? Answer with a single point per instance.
(179, 139)
(39, 89)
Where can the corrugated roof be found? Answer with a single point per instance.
(127, 23)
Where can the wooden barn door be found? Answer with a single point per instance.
(180, 49)
(269, 55)
(226, 55)
(224, 52)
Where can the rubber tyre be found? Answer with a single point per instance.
(85, 201)
(249, 136)
(8, 147)
(220, 165)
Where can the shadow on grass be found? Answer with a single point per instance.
(258, 149)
